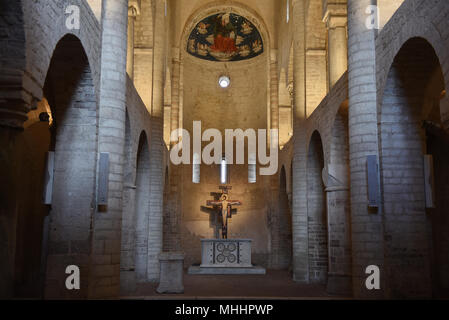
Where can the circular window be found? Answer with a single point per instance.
(224, 81)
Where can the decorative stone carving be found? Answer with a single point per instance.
(226, 253)
(226, 257)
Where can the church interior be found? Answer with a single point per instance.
(99, 98)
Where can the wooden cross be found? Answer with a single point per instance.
(225, 206)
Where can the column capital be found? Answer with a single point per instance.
(335, 14)
(134, 8)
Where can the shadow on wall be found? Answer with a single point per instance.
(317, 213)
(416, 241)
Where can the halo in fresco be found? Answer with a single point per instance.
(225, 37)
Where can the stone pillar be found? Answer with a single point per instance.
(133, 11)
(176, 69)
(335, 179)
(299, 203)
(157, 144)
(274, 90)
(367, 234)
(16, 100)
(172, 273)
(299, 60)
(159, 36)
(336, 19)
(316, 78)
(105, 272)
(172, 236)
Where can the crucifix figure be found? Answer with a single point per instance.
(225, 206)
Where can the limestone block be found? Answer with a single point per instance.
(172, 273)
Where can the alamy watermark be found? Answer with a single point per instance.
(213, 152)
(372, 22)
(72, 21)
(373, 280)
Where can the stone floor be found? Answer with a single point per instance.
(273, 285)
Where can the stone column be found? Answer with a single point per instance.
(176, 69)
(299, 60)
(16, 100)
(336, 19)
(172, 238)
(367, 238)
(274, 90)
(157, 145)
(299, 203)
(133, 12)
(105, 272)
(336, 181)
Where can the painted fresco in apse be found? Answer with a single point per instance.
(225, 37)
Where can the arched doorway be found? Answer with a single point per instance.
(336, 179)
(127, 254)
(316, 213)
(48, 238)
(70, 92)
(142, 208)
(414, 235)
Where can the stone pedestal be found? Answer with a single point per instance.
(172, 273)
(226, 257)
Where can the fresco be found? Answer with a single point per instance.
(225, 37)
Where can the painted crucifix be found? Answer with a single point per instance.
(225, 206)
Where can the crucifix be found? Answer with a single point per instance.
(225, 207)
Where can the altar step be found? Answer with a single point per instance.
(198, 270)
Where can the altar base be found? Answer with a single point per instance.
(230, 256)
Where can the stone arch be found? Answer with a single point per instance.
(336, 180)
(423, 26)
(70, 92)
(316, 212)
(205, 11)
(142, 208)
(40, 49)
(218, 6)
(412, 95)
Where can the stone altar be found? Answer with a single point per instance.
(226, 256)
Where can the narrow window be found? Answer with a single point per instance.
(196, 167)
(252, 167)
(223, 171)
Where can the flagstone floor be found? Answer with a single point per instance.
(274, 285)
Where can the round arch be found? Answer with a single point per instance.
(411, 97)
(414, 27)
(229, 6)
(316, 212)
